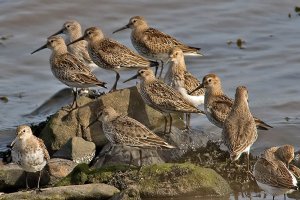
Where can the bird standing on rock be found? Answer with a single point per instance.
(217, 105)
(29, 152)
(154, 44)
(162, 97)
(183, 81)
(111, 55)
(239, 129)
(67, 68)
(123, 130)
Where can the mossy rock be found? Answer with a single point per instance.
(160, 180)
(181, 179)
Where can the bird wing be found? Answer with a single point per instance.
(42, 145)
(133, 133)
(117, 54)
(273, 173)
(70, 62)
(165, 97)
(238, 134)
(191, 82)
(220, 108)
(158, 41)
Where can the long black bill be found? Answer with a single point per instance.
(121, 29)
(79, 39)
(134, 77)
(59, 32)
(197, 88)
(42, 47)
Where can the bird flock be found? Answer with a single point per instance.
(73, 59)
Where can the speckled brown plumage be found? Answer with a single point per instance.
(239, 129)
(217, 105)
(111, 55)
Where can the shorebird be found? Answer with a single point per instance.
(162, 97)
(285, 153)
(111, 55)
(29, 152)
(67, 68)
(123, 130)
(273, 176)
(217, 105)
(154, 44)
(239, 129)
(183, 81)
(72, 29)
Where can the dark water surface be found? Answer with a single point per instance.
(269, 65)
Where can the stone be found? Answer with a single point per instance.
(181, 179)
(59, 167)
(64, 125)
(155, 181)
(121, 155)
(77, 150)
(12, 177)
(88, 191)
(131, 193)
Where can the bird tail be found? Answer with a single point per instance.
(262, 125)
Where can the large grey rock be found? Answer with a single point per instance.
(63, 125)
(77, 150)
(13, 177)
(88, 191)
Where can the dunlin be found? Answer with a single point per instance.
(67, 68)
(123, 130)
(273, 176)
(285, 153)
(29, 152)
(183, 81)
(162, 97)
(217, 105)
(239, 129)
(154, 44)
(72, 29)
(111, 55)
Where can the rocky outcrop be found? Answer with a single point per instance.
(78, 150)
(64, 125)
(156, 180)
(88, 191)
(12, 177)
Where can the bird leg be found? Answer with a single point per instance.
(38, 185)
(187, 121)
(162, 69)
(74, 101)
(166, 123)
(170, 126)
(114, 88)
(27, 187)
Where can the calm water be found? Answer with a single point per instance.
(268, 66)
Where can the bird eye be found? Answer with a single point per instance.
(142, 72)
(68, 26)
(133, 21)
(209, 80)
(23, 131)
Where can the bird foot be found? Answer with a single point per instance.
(38, 190)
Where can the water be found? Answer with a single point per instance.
(268, 66)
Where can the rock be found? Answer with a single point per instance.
(121, 155)
(88, 191)
(59, 168)
(181, 179)
(77, 150)
(12, 177)
(154, 181)
(65, 125)
(131, 193)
